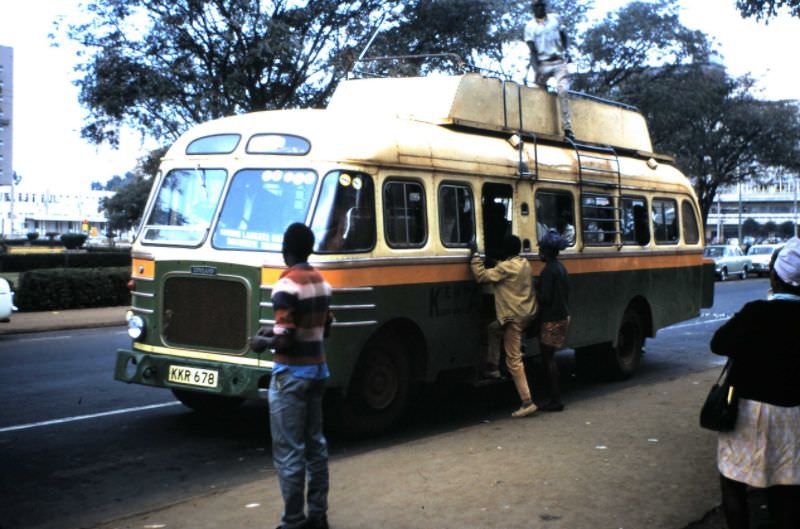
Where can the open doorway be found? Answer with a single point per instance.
(496, 200)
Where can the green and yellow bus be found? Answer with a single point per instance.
(396, 177)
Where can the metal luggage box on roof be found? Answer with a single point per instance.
(474, 101)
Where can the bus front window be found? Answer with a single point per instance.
(184, 207)
(344, 220)
(260, 204)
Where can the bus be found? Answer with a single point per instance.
(396, 177)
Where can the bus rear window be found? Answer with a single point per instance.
(259, 205)
(216, 144)
(184, 207)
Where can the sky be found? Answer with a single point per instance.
(47, 117)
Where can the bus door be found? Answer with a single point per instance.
(496, 200)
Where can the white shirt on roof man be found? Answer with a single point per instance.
(547, 42)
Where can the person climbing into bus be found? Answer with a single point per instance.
(301, 301)
(515, 309)
(552, 293)
(547, 42)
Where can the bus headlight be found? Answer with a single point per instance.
(135, 327)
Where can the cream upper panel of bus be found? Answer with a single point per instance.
(491, 104)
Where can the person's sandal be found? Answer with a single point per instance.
(525, 410)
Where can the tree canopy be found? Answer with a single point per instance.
(766, 9)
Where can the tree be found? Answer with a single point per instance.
(161, 66)
(766, 9)
(125, 208)
(640, 37)
(750, 227)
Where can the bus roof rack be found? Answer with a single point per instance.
(482, 103)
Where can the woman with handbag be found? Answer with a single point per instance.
(552, 294)
(763, 449)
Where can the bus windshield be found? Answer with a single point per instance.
(260, 204)
(184, 207)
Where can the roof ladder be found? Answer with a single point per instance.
(524, 168)
(600, 160)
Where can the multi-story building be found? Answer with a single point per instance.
(756, 210)
(6, 109)
(44, 211)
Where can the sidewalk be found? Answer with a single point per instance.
(23, 322)
(632, 458)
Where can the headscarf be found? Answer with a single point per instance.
(787, 264)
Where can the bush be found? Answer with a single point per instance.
(73, 241)
(32, 236)
(93, 258)
(51, 235)
(60, 289)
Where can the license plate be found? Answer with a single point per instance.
(193, 376)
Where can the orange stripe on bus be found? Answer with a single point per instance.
(383, 275)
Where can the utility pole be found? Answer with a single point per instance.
(739, 185)
(796, 183)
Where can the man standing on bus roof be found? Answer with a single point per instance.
(515, 308)
(301, 301)
(547, 42)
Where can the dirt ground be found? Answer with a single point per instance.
(628, 457)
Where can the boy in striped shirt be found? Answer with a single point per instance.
(301, 301)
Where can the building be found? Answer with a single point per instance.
(6, 111)
(755, 210)
(45, 211)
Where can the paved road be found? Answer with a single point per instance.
(80, 448)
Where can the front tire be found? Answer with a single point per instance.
(379, 391)
(723, 274)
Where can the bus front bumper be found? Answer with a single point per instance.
(163, 371)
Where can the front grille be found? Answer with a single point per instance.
(205, 313)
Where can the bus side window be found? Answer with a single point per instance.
(597, 217)
(404, 214)
(635, 224)
(344, 220)
(691, 233)
(665, 220)
(554, 210)
(456, 215)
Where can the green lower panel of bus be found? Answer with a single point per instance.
(190, 374)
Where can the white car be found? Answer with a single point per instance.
(6, 301)
(760, 255)
(728, 260)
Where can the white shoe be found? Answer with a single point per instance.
(524, 411)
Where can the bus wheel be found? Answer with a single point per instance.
(622, 360)
(378, 393)
(207, 403)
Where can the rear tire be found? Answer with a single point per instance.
(743, 274)
(207, 403)
(622, 360)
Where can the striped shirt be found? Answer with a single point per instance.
(301, 301)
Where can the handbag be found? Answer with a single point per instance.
(722, 404)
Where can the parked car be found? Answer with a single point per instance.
(760, 255)
(6, 301)
(728, 260)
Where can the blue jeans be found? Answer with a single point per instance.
(298, 446)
